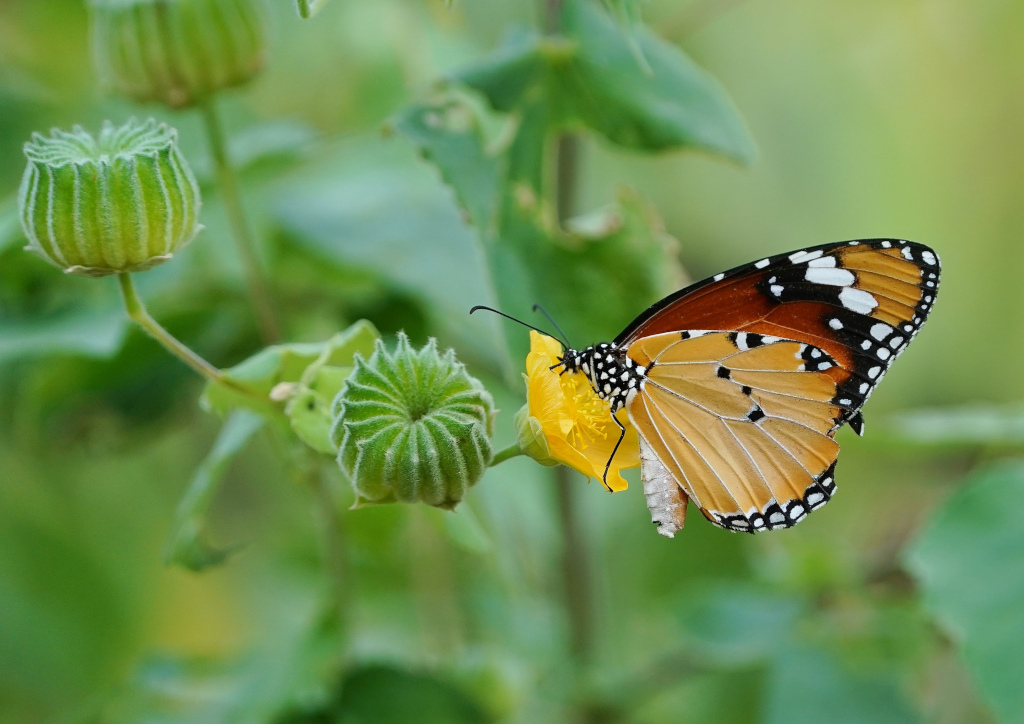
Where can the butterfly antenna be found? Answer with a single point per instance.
(517, 321)
(565, 338)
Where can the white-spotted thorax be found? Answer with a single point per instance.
(612, 374)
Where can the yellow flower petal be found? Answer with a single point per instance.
(577, 423)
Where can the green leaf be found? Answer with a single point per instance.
(187, 545)
(386, 695)
(809, 686)
(616, 260)
(977, 424)
(449, 135)
(625, 83)
(88, 333)
(968, 561)
(309, 409)
(674, 104)
(375, 209)
(287, 363)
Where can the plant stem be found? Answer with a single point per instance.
(138, 314)
(227, 181)
(576, 565)
(508, 453)
(576, 571)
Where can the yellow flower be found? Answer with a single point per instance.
(576, 422)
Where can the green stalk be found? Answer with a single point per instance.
(577, 569)
(508, 453)
(138, 314)
(227, 181)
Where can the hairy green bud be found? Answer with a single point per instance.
(531, 438)
(121, 202)
(177, 52)
(412, 426)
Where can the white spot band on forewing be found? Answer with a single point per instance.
(832, 277)
(857, 300)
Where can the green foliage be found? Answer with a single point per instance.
(966, 560)
(592, 76)
(299, 366)
(385, 695)
(187, 545)
(619, 259)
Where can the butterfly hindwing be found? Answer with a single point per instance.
(861, 302)
(742, 421)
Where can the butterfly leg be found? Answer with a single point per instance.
(608, 465)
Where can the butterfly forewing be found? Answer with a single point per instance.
(743, 421)
(860, 302)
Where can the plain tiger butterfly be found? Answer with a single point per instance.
(738, 384)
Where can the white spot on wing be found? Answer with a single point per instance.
(908, 253)
(880, 331)
(800, 257)
(928, 257)
(823, 261)
(857, 300)
(832, 277)
(761, 264)
(776, 289)
(873, 372)
(718, 277)
(835, 323)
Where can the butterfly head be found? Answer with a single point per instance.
(611, 373)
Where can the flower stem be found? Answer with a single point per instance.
(227, 181)
(576, 571)
(508, 453)
(138, 314)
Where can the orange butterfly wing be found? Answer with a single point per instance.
(742, 422)
(859, 301)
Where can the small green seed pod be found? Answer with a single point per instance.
(412, 426)
(177, 52)
(122, 202)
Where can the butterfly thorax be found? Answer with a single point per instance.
(611, 372)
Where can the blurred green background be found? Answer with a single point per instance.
(902, 601)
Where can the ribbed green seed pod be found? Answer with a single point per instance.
(177, 52)
(125, 201)
(412, 426)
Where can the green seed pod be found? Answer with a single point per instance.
(177, 52)
(412, 426)
(532, 440)
(125, 201)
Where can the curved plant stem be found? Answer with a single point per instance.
(138, 314)
(508, 453)
(227, 181)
